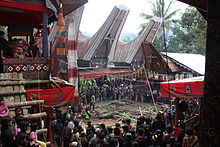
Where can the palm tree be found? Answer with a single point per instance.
(162, 10)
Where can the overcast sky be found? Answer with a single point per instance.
(96, 12)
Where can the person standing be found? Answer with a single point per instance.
(33, 49)
(67, 133)
(92, 103)
(3, 43)
(7, 134)
(190, 140)
(3, 108)
(58, 132)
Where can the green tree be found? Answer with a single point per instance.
(163, 11)
(189, 33)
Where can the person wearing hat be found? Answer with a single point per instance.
(3, 108)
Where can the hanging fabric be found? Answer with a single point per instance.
(60, 68)
(72, 54)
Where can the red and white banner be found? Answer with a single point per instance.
(53, 97)
(72, 54)
(191, 87)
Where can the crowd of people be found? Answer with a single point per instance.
(17, 131)
(70, 130)
(116, 89)
(146, 132)
(17, 48)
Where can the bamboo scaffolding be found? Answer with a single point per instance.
(23, 107)
(41, 131)
(36, 115)
(13, 93)
(26, 103)
(23, 82)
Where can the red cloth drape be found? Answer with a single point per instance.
(183, 89)
(53, 97)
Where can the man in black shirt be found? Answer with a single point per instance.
(8, 49)
(33, 49)
(3, 43)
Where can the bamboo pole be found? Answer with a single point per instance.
(36, 115)
(23, 107)
(26, 103)
(41, 131)
(23, 82)
(13, 93)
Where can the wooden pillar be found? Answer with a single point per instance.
(45, 35)
(51, 57)
(49, 129)
(210, 103)
(176, 103)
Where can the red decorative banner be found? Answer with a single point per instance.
(192, 87)
(53, 97)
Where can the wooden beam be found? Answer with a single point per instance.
(36, 115)
(23, 82)
(41, 131)
(13, 93)
(26, 103)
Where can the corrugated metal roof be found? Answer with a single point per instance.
(193, 61)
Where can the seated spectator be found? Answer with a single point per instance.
(3, 108)
(18, 52)
(33, 49)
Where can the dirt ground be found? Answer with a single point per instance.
(115, 111)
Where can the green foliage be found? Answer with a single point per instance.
(185, 35)
(162, 10)
(189, 33)
(84, 83)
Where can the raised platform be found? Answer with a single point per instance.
(37, 68)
